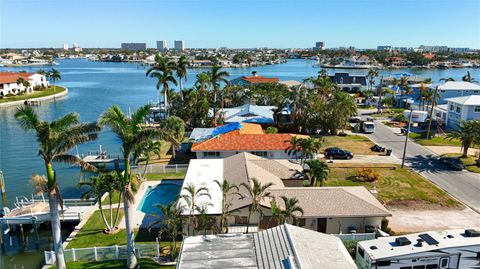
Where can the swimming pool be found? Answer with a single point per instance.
(163, 193)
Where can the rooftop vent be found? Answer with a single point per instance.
(450, 236)
(373, 247)
(419, 243)
(472, 233)
(402, 241)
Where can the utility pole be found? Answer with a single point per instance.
(406, 136)
(431, 112)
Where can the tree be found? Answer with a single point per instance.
(317, 171)
(192, 195)
(276, 213)
(203, 80)
(291, 208)
(175, 127)
(422, 90)
(228, 189)
(54, 75)
(447, 79)
(468, 132)
(55, 139)
(372, 74)
(271, 130)
(24, 83)
(217, 76)
(307, 147)
(97, 186)
(257, 192)
(144, 150)
(162, 71)
(181, 69)
(468, 77)
(131, 132)
(170, 220)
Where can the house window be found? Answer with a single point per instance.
(240, 220)
(477, 109)
(260, 153)
(459, 109)
(452, 107)
(419, 267)
(211, 154)
(475, 91)
(444, 263)
(442, 91)
(432, 266)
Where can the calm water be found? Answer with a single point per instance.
(93, 87)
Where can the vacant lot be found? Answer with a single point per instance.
(357, 144)
(396, 186)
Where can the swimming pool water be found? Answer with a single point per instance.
(163, 194)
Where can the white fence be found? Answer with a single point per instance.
(105, 253)
(356, 237)
(160, 168)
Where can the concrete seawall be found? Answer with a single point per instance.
(38, 99)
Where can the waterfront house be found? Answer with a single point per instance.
(452, 89)
(284, 246)
(253, 114)
(458, 109)
(331, 210)
(253, 79)
(9, 82)
(233, 138)
(349, 83)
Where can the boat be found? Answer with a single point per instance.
(348, 66)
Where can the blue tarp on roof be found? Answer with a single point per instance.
(227, 128)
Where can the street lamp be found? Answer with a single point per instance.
(406, 136)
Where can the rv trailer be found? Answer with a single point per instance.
(452, 249)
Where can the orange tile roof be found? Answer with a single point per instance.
(12, 77)
(242, 142)
(260, 79)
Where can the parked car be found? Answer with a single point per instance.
(453, 163)
(338, 153)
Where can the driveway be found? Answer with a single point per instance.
(463, 185)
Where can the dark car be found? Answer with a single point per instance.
(453, 163)
(338, 153)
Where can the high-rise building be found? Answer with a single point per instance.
(384, 48)
(162, 45)
(319, 45)
(65, 46)
(179, 45)
(134, 46)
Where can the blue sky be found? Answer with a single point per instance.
(240, 23)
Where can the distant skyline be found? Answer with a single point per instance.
(240, 24)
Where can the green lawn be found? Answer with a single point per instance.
(166, 176)
(395, 185)
(357, 144)
(434, 141)
(49, 91)
(469, 162)
(144, 264)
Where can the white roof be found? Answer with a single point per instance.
(456, 85)
(469, 100)
(203, 173)
(290, 83)
(386, 247)
(249, 112)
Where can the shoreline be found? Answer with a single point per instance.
(37, 99)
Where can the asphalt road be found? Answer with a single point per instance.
(463, 185)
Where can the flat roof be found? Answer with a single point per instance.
(469, 100)
(203, 173)
(455, 85)
(386, 247)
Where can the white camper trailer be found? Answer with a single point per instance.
(417, 115)
(452, 249)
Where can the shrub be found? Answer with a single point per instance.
(10, 95)
(398, 110)
(271, 130)
(367, 175)
(400, 118)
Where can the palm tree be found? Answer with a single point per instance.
(181, 70)
(174, 126)
(131, 132)
(24, 83)
(404, 86)
(216, 77)
(468, 132)
(447, 79)
(171, 219)
(55, 139)
(317, 171)
(145, 149)
(307, 147)
(276, 213)
(257, 192)
(54, 75)
(468, 77)
(203, 80)
(227, 189)
(98, 185)
(372, 74)
(291, 208)
(422, 90)
(192, 195)
(162, 70)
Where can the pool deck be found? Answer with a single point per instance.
(140, 219)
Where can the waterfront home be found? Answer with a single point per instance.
(253, 79)
(252, 113)
(233, 138)
(349, 83)
(458, 109)
(331, 210)
(284, 246)
(9, 82)
(451, 89)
